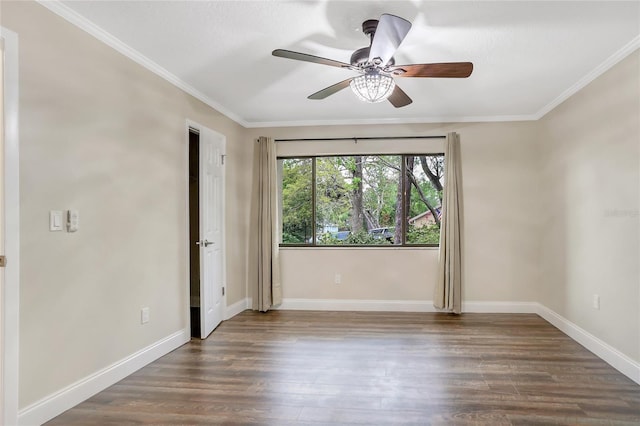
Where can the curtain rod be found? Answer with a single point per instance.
(370, 138)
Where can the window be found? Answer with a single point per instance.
(424, 200)
(297, 200)
(371, 200)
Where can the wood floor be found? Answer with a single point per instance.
(310, 368)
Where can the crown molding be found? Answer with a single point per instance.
(612, 60)
(60, 9)
(371, 121)
(84, 24)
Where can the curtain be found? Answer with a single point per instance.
(448, 287)
(269, 292)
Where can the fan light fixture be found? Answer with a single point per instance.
(372, 87)
(377, 66)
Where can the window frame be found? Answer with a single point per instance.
(403, 225)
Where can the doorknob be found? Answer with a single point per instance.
(204, 243)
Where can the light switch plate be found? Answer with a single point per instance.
(55, 220)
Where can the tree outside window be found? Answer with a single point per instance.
(362, 200)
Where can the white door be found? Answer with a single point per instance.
(1, 223)
(10, 225)
(211, 242)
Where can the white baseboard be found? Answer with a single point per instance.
(357, 305)
(236, 308)
(401, 306)
(500, 307)
(55, 404)
(66, 398)
(606, 352)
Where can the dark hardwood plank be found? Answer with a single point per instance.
(311, 368)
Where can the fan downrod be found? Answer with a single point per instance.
(376, 62)
(369, 28)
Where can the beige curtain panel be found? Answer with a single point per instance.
(269, 292)
(448, 287)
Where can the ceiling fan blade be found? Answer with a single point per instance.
(445, 70)
(309, 58)
(328, 91)
(389, 34)
(398, 98)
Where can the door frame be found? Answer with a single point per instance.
(10, 298)
(200, 128)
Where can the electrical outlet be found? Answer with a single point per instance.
(338, 279)
(596, 301)
(144, 315)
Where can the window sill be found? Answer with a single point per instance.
(380, 247)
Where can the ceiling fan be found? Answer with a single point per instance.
(376, 65)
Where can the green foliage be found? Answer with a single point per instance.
(332, 203)
(381, 189)
(328, 239)
(364, 238)
(358, 239)
(297, 226)
(288, 238)
(428, 234)
(432, 196)
(340, 186)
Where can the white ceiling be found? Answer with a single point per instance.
(527, 56)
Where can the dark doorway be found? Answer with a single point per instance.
(194, 231)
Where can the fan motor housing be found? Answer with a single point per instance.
(360, 56)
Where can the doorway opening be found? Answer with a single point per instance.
(194, 231)
(207, 300)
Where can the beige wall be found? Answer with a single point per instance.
(103, 135)
(590, 180)
(500, 195)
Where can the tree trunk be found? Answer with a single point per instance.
(402, 210)
(372, 222)
(433, 177)
(407, 184)
(357, 215)
(433, 211)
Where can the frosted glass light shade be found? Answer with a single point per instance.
(372, 87)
